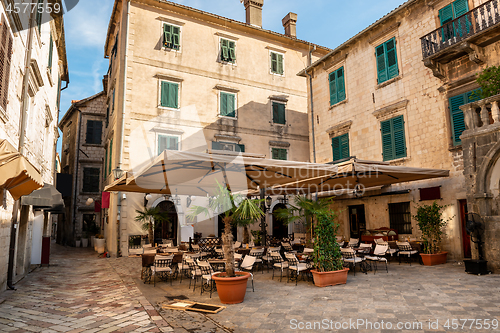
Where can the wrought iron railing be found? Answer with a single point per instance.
(471, 23)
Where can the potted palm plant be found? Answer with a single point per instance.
(148, 218)
(430, 221)
(231, 285)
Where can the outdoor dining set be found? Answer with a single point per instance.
(198, 263)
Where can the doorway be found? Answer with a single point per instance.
(167, 229)
(357, 220)
(280, 227)
(465, 236)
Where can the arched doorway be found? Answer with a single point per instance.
(280, 228)
(220, 228)
(167, 229)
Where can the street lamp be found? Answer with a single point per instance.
(89, 201)
(117, 173)
(147, 197)
(269, 202)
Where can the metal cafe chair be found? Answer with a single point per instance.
(279, 262)
(295, 267)
(162, 268)
(378, 256)
(350, 258)
(405, 250)
(207, 283)
(247, 265)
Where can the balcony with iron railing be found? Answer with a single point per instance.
(466, 34)
(483, 115)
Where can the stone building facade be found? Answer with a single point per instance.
(82, 155)
(180, 78)
(392, 93)
(47, 67)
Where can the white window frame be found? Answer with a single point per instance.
(235, 51)
(178, 95)
(235, 104)
(287, 153)
(270, 63)
(163, 22)
(167, 135)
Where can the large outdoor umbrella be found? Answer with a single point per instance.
(197, 174)
(359, 174)
(17, 174)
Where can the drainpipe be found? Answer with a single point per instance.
(22, 130)
(312, 104)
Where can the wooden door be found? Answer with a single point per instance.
(357, 220)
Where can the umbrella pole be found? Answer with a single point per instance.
(263, 225)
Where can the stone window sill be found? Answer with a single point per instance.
(337, 104)
(388, 82)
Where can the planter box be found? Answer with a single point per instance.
(231, 290)
(85, 242)
(324, 279)
(477, 267)
(99, 245)
(434, 259)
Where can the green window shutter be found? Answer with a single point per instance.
(97, 132)
(280, 64)
(445, 14)
(460, 7)
(340, 85)
(90, 132)
(283, 154)
(173, 143)
(110, 155)
(381, 66)
(232, 51)
(107, 116)
(399, 137)
(333, 88)
(113, 102)
(279, 154)
(223, 103)
(173, 92)
(340, 147)
(240, 148)
(105, 163)
(164, 94)
(216, 145)
(227, 105)
(176, 37)
(336, 148)
(392, 61)
(225, 49)
(457, 117)
(167, 35)
(387, 145)
(278, 113)
(51, 51)
(162, 143)
(39, 13)
(274, 154)
(274, 62)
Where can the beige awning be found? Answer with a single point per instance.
(362, 174)
(188, 173)
(17, 174)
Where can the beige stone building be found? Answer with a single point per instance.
(184, 79)
(46, 68)
(82, 155)
(393, 93)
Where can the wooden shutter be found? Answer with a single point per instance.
(5, 60)
(274, 62)
(97, 132)
(399, 137)
(167, 35)
(387, 146)
(392, 61)
(172, 143)
(110, 155)
(216, 145)
(173, 95)
(231, 109)
(460, 7)
(278, 113)
(446, 14)
(280, 63)
(336, 148)
(381, 67)
(176, 37)
(224, 49)
(283, 154)
(105, 163)
(162, 143)
(232, 51)
(90, 132)
(223, 103)
(340, 147)
(333, 88)
(457, 117)
(240, 148)
(164, 94)
(51, 51)
(340, 85)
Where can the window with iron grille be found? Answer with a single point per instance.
(90, 180)
(400, 217)
(94, 132)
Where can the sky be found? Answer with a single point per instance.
(324, 22)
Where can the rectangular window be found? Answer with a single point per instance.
(51, 51)
(337, 86)
(393, 138)
(90, 180)
(167, 142)
(94, 132)
(457, 115)
(171, 36)
(451, 12)
(169, 95)
(278, 113)
(227, 50)
(340, 147)
(400, 217)
(387, 61)
(228, 146)
(110, 155)
(279, 154)
(105, 163)
(227, 104)
(6, 41)
(277, 63)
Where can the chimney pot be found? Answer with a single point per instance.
(253, 9)
(290, 24)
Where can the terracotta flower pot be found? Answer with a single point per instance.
(434, 259)
(231, 290)
(324, 279)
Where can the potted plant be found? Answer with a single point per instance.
(430, 222)
(231, 285)
(148, 217)
(77, 241)
(329, 269)
(85, 239)
(99, 242)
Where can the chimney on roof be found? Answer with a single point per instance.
(290, 24)
(253, 9)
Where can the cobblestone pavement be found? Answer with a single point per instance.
(106, 295)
